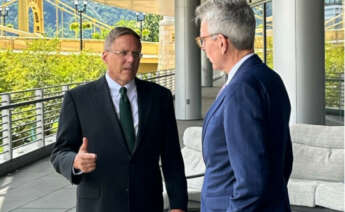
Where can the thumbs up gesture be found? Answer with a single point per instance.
(85, 161)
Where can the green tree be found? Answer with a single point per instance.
(334, 60)
(134, 25)
(151, 24)
(100, 35)
(43, 65)
(74, 26)
(150, 28)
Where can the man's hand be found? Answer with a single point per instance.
(176, 210)
(84, 161)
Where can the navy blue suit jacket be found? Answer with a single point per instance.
(247, 145)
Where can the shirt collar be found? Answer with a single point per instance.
(115, 87)
(236, 67)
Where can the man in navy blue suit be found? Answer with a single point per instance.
(246, 138)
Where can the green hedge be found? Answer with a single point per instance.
(41, 65)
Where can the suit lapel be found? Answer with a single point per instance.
(253, 60)
(144, 106)
(104, 103)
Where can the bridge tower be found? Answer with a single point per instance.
(23, 15)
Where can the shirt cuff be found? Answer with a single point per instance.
(76, 171)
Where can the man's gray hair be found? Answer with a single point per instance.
(118, 32)
(232, 18)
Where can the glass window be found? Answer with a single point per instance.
(264, 36)
(334, 60)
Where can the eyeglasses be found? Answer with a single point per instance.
(124, 53)
(200, 40)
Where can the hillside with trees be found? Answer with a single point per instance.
(106, 14)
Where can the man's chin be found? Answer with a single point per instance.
(214, 67)
(127, 70)
(128, 78)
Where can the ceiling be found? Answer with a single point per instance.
(162, 7)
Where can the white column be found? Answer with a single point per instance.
(206, 71)
(299, 57)
(188, 74)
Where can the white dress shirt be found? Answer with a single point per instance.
(132, 96)
(236, 67)
(115, 96)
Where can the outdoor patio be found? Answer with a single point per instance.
(38, 188)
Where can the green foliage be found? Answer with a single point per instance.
(151, 24)
(43, 65)
(334, 65)
(100, 35)
(128, 23)
(134, 25)
(269, 52)
(74, 26)
(334, 60)
(150, 27)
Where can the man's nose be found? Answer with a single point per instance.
(130, 57)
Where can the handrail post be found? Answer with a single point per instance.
(64, 89)
(169, 81)
(173, 78)
(6, 126)
(166, 79)
(158, 79)
(341, 95)
(39, 119)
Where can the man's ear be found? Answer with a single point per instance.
(104, 56)
(223, 44)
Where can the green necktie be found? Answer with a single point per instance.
(126, 119)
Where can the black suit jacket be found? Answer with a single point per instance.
(121, 181)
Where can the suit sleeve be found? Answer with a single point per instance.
(172, 162)
(244, 128)
(289, 158)
(68, 140)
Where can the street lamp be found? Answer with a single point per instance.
(4, 13)
(80, 7)
(141, 18)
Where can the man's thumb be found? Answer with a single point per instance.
(83, 147)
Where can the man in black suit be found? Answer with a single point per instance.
(114, 131)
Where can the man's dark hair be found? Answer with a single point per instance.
(118, 32)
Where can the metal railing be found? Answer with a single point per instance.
(29, 119)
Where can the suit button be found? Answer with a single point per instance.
(126, 189)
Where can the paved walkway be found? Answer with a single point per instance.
(38, 188)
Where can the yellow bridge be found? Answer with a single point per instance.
(38, 16)
(150, 50)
